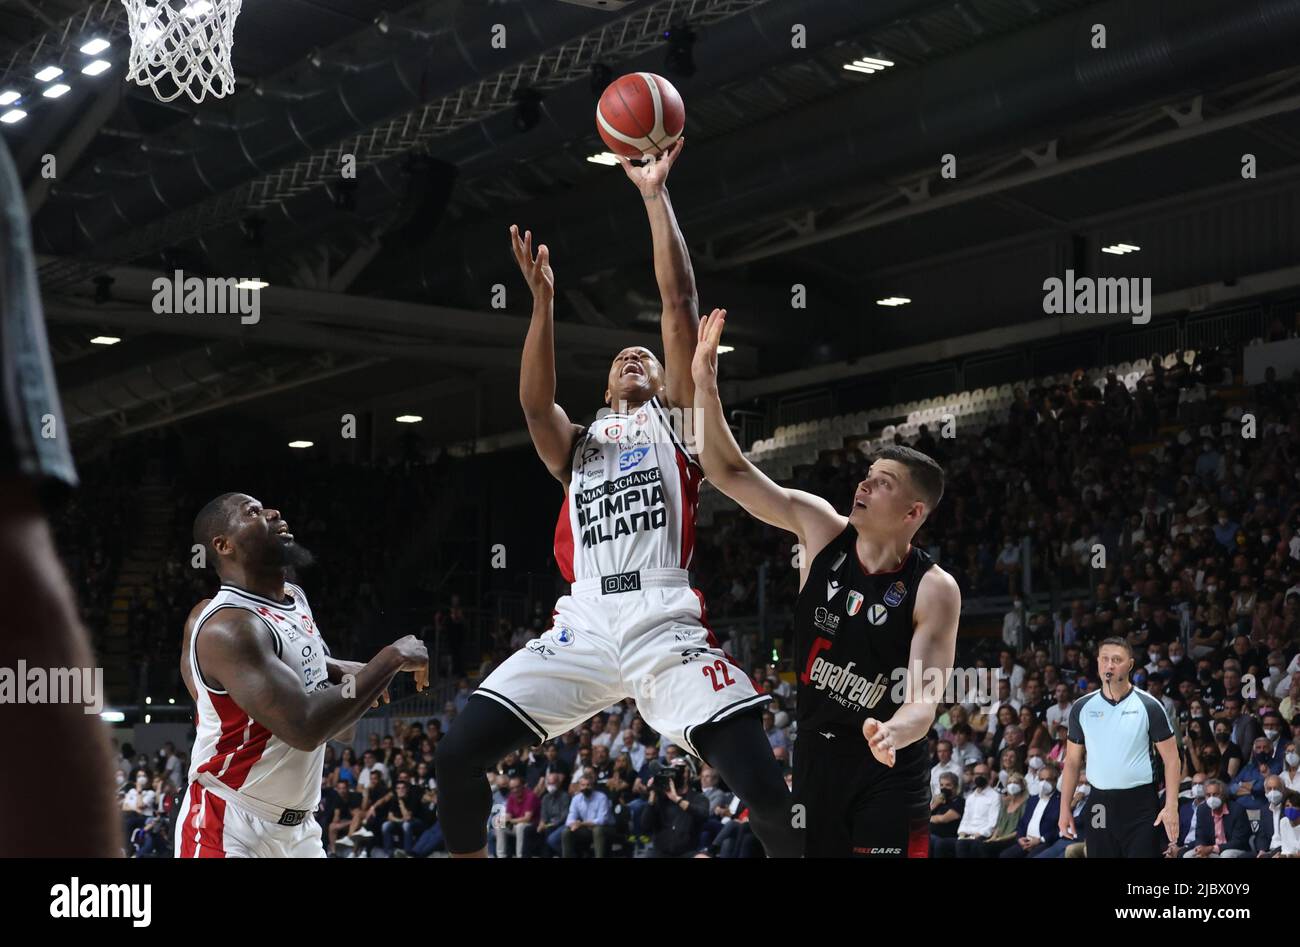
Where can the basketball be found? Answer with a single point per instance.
(640, 114)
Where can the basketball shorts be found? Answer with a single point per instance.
(650, 643)
(853, 807)
(33, 437)
(215, 826)
(1121, 823)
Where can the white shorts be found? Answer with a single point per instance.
(651, 645)
(214, 827)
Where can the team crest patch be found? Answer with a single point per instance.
(877, 614)
(897, 592)
(854, 603)
(563, 636)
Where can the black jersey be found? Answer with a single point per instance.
(853, 637)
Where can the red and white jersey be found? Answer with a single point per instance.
(632, 498)
(231, 746)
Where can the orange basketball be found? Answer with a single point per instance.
(640, 114)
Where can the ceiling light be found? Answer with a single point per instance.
(300, 444)
(56, 90)
(252, 283)
(605, 157)
(96, 67)
(95, 46)
(48, 73)
(893, 301)
(1119, 249)
(13, 115)
(724, 349)
(9, 97)
(105, 340)
(868, 64)
(408, 419)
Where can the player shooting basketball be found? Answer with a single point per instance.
(631, 626)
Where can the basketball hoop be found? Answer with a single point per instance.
(182, 46)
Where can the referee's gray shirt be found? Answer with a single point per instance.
(1118, 737)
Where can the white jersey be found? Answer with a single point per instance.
(632, 498)
(233, 748)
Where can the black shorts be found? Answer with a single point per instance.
(855, 807)
(1121, 823)
(33, 437)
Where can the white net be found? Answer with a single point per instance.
(182, 46)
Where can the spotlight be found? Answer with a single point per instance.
(103, 291)
(680, 61)
(528, 109)
(601, 77)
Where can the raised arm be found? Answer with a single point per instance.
(552, 432)
(806, 515)
(680, 318)
(235, 651)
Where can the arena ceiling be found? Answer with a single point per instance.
(796, 171)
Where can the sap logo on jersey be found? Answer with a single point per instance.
(630, 458)
(563, 636)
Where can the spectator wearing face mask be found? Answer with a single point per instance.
(138, 806)
(1226, 833)
(1267, 840)
(1061, 846)
(1271, 723)
(1229, 753)
(553, 812)
(1289, 827)
(1190, 813)
(1036, 829)
(980, 816)
(1291, 767)
(946, 808)
(587, 823)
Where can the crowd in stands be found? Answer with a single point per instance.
(1168, 516)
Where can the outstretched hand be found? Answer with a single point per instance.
(650, 177)
(537, 271)
(704, 366)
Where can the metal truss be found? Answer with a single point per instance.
(200, 395)
(107, 17)
(1147, 130)
(621, 39)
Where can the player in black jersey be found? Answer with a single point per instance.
(875, 634)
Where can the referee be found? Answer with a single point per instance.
(1117, 726)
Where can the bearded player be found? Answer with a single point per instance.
(875, 634)
(264, 687)
(631, 626)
